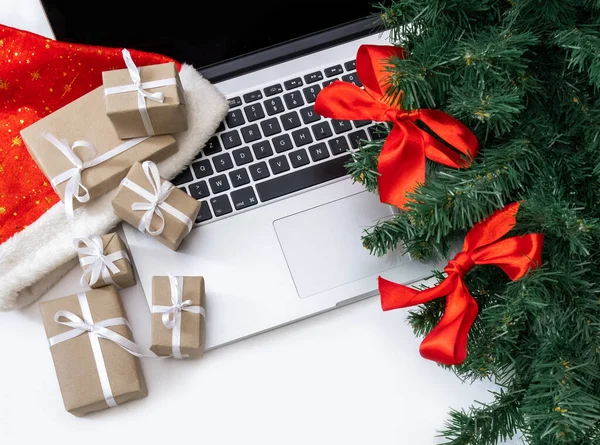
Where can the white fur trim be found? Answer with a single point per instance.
(34, 259)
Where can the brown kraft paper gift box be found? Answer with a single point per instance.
(78, 376)
(167, 117)
(125, 277)
(174, 230)
(193, 325)
(85, 120)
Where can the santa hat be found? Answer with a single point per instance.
(39, 76)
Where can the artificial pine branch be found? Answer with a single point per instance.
(524, 75)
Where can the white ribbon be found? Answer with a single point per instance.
(155, 201)
(95, 264)
(140, 87)
(95, 332)
(171, 315)
(73, 175)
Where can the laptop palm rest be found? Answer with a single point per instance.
(322, 245)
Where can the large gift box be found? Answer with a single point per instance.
(90, 342)
(104, 260)
(78, 149)
(154, 205)
(178, 316)
(144, 101)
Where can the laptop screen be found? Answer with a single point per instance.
(201, 35)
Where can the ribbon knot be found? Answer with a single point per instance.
(447, 342)
(461, 264)
(95, 263)
(401, 164)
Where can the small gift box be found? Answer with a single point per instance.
(78, 149)
(93, 351)
(144, 101)
(178, 316)
(104, 260)
(154, 205)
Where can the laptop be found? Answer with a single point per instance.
(278, 237)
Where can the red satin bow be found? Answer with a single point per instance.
(401, 164)
(447, 342)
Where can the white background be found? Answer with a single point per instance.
(351, 376)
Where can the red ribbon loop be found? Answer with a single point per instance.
(447, 342)
(401, 164)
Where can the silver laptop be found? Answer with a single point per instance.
(278, 238)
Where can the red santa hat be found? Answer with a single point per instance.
(38, 76)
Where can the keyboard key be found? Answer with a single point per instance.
(310, 93)
(231, 139)
(309, 115)
(273, 89)
(378, 132)
(334, 70)
(242, 156)
(290, 120)
(202, 169)
(313, 77)
(293, 99)
(259, 171)
(184, 177)
(222, 162)
(252, 96)
(235, 118)
(359, 124)
(279, 165)
(273, 106)
(251, 133)
(350, 65)
(298, 158)
(199, 190)
(282, 143)
(239, 177)
(212, 146)
(340, 126)
(221, 127)
(338, 145)
(204, 214)
(262, 149)
(270, 127)
(243, 198)
(318, 151)
(329, 82)
(293, 83)
(218, 183)
(356, 138)
(352, 78)
(302, 137)
(322, 130)
(235, 102)
(301, 179)
(254, 112)
(221, 205)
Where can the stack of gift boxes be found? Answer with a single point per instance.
(113, 138)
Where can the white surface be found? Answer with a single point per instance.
(351, 376)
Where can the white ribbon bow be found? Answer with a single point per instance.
(171, 315)
(95, 264)
(155, 201)
(73, 175)
(96, 331)
(140, 87)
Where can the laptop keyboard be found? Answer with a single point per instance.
(272, 144)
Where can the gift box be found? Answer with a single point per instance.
(104, 260)
(89, 340)
(144, 101)
(78, 149)
(154, 205)
(178, 316)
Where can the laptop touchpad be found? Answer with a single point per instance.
(322, 245)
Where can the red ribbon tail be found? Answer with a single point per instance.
(396, 296)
